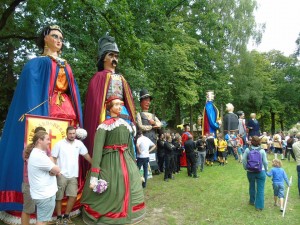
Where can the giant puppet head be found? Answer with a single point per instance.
(145, 99)
(108, 53)
(229, 108)
(51, 37)
(210, 96)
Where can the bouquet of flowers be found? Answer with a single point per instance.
(81, 133)
(101, 186)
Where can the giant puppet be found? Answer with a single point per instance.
(46, 88)
(211, 121)
(104, 84)
(147, 122)
(113, 193)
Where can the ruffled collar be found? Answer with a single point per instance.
(113, 123)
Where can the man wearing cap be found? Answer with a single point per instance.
(147, 122)
(105, 83)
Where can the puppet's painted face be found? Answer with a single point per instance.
(54, 40)
(210, 96)
(116, 108)
(145, 103)
(111, 60)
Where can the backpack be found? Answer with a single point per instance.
(254, 161)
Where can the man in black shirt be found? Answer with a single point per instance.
(190, 146)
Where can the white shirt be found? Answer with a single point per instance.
(67, 155)
(145, 144)
(42, 185)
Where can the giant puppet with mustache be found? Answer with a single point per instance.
(104, 84)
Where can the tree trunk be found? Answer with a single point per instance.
(191, 118)
(262, 123)
(177, 114)
(281, 123)
(272, 122)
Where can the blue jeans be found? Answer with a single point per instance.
(201, 159)
(44, 208)
(257, 188)
(278, 189)
(143, 162)
(298, 170)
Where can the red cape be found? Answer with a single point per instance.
(94, 109)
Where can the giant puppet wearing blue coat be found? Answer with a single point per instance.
(46, 87)
(211, 121)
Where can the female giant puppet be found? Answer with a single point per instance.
(46, 88)
(113, 162)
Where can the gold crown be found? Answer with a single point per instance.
(55, 27)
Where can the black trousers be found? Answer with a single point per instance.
(160, 162)
(168, 166)
(191, 164)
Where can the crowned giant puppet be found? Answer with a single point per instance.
(46, 87)
(104, 84)
(211, 121)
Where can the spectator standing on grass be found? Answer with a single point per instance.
(231, 145)
(240, 149)
(256, 179)
(222, 145)
(191, 161)
(278, 177)
(277, 143)
(289, 148)
(161, 152)
(264, 141)
(66, 154)
(41, 175)
(144, 146)
(296, 150)
(178, 151)
(184, 138)
(169, 155)
(28, 203)
(200, 144)
(210, 148)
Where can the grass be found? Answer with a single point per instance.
(219, 196)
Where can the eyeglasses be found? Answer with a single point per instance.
(56, 37)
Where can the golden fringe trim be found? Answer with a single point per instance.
(23, 115)
(127, 94)
(103, 111)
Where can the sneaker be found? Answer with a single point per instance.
(275, 204)
(281, 209)
(59, 221)
(67, 221)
